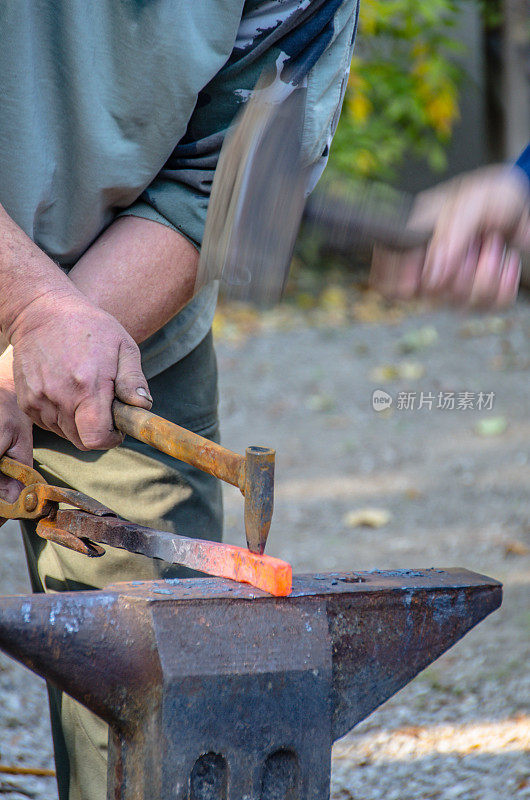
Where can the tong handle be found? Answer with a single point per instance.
(32, 502)
(38, 498)
(179, 442)
(20, 472)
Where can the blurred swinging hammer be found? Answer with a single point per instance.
(259, 195)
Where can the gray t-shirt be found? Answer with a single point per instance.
(119, 107)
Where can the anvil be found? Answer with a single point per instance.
(217, 691)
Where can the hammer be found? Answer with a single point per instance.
(252, 473)
(258, 198)
(256, 205)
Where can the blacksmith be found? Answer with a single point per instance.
(111, 121)
(112, 118)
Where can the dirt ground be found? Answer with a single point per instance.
(453, 486)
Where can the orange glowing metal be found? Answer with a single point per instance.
(227, 561)
(71, 526)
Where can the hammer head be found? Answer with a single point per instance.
(259, 496)
(257, 198)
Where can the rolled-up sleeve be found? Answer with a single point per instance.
(175, 204)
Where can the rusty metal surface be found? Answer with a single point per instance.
(29, 504)
(326, 584)
(47, 529)
(40, 501)
(91, 522)
(71, 641)
(38, 498)
(220, 692)
(253, 473)
(259, 496)
(20, 472)
(272, 575)
(178, 442)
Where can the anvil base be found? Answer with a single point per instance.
(216, 691)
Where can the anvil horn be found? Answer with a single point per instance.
(92, 645)
(380, 648)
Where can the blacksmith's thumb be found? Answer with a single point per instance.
(130, 385)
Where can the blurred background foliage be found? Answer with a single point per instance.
(403, 92)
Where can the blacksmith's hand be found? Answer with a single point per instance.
(15, 429)
(70, 358)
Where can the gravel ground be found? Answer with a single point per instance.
(461, 730)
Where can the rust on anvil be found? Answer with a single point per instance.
(218, 691)
(272, 575)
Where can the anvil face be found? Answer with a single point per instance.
(216, 691)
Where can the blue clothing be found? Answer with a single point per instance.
(523, 162)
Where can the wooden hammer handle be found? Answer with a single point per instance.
(179, 443)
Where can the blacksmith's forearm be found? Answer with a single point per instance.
(139, 271)
(26, 274)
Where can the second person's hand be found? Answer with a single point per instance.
(481, 225)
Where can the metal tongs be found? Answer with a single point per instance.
(39, 500)
(87, 522)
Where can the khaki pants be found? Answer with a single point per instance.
(142, 485)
